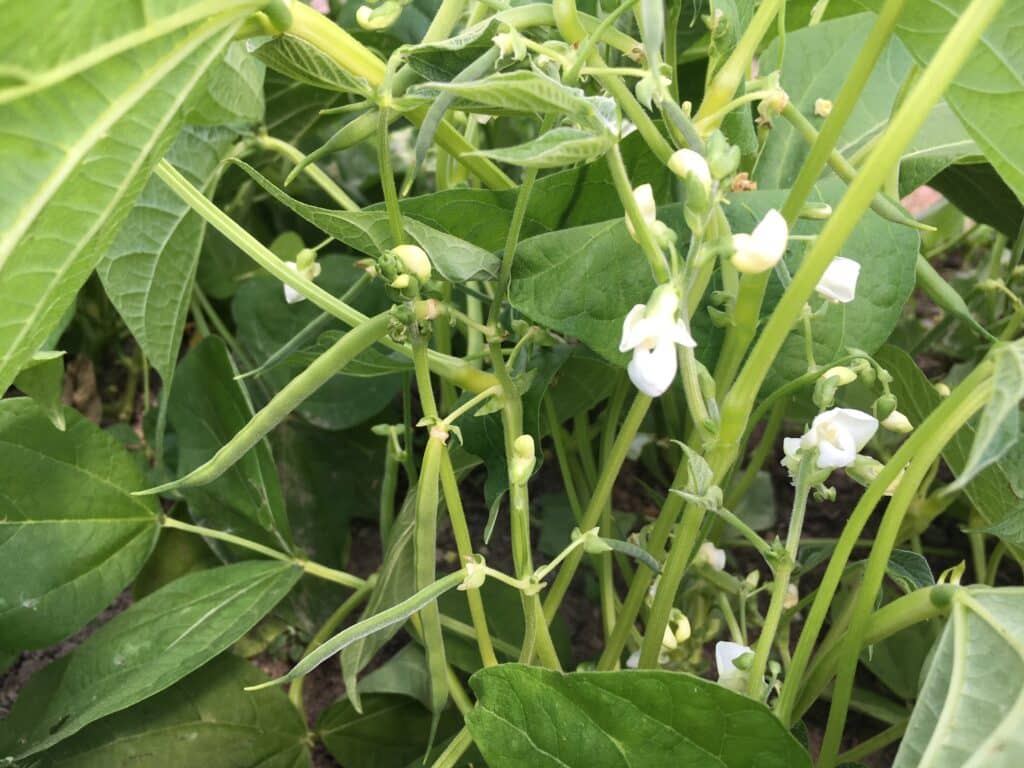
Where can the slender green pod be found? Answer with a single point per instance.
(425, 558)
(386, 618)
(351, 133)
(284, 402)
(946, 297)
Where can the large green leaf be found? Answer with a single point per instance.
(90, 98)
(531, 716)
(832, 46)
(207, 408)
(988, 92)
(977, 190)
(970, 713)
(265, 322)
(205, 720)
(232, 95)
(391, 731)
(149, 269)
(71, 534)
(996, 493)
(144, 650)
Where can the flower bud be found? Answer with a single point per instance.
(822, 107)
(381, 17)
(476, 573)
(883, 406)
(844, 374)
(401, 282)
(414, 260)
(761, 250)
(523, 460)
(511, 45)
(644, 196)
(792, 598)
(683, 629)
(772, 104)
(942, 388)
(864, 469)
(723, 158)
(687, 164)
(752, 579)
(864, 370)
(897, 422)
(711, 555)
(668, 640)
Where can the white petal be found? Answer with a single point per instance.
(832, 456)
(680, 334)
(771, 234)
(725, 654)
(292, 296)
(790, 446)
(862, 426)
(636, 447)
(839, 283)
(630, 336)
(712, 555)
(652, 371)
(644, 196)
(633, 661)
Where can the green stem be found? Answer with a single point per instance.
(732, 73)
(313, 569)
(920, 440)
(601, 495)
(624, 188)
(933, 82)
(780, 582)
(341, 613)
(457, 516)
(317, 176)
(459, 372)
(874, 573)
(874, 744)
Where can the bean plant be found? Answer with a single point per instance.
(566, 379)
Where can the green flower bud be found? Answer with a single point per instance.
(884, 406)
(381, 17)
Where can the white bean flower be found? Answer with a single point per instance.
(712, 555)
(652, 331)
(761, 249)
(729, 675)
(839, 435)
(839, 283)
(686, 164)
(310, 273)
(644, 197)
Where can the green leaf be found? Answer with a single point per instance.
(995, 493)
(520, 91)
(391, 732)
(144, 650)
(443, 60)
(265, 322)
(233, 91)
(43, 380)
(149, 270)
(71, 534)
(970, 713)
(204, 720)
(833, 46)
(999, 427)
(978, 191)
(531, 716)
(554, 149)
(72, 174)
(396, 582)
(986, 94)
(207, 408)
(368, 232)
(305, 63)
(909, 570)
(404, 674)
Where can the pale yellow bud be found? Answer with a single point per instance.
(897, 422)
(822, 107)
(841, 372)
(415, 260)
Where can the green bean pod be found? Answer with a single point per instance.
(425, 554)
(350, 134)
(946, 297)
(377, 622)
(283, 403)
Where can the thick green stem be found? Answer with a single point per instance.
(729, 77)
